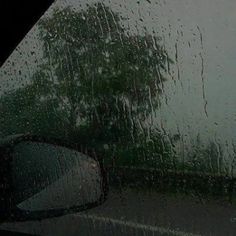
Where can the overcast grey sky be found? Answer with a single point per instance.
(202, 99)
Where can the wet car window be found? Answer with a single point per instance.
(149, 86)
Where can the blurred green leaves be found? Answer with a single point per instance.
(97, 85)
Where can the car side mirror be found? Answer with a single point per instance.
(44, 178)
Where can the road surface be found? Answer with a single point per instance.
(131, 212)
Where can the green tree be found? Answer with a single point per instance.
(97, 82)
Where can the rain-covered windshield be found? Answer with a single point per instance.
(150, 86)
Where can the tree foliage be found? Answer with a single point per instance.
(97, 83)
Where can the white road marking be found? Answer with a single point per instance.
(161, 230)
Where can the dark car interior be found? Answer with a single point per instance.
(17, 18)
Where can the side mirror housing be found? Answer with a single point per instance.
(43, 178)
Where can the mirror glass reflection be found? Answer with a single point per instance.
(47, 176)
